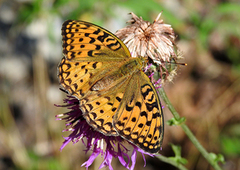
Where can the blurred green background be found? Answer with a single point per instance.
(206, 91)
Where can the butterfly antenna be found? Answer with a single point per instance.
(183, 64)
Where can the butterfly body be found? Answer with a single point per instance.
(115, 95)
(128, 68)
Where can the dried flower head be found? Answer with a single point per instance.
(155, 41)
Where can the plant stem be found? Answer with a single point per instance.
(188, 132)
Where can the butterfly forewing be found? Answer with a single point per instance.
(83, 41)
(115, 96)
(90, 54)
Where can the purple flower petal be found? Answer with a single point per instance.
(133, 158)
(107, 160)
(121, 159)
(91, 159)
(67, 140)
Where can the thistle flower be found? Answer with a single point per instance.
(155, 41)
(108, 147)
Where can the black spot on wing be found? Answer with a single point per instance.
(102, 37)
(129, 108)
(138, 104)
(114, 109)
(148, 123)
(151, 98)
(100, 120)
(109, 39)
(119, 123)
(90, 107)
(72, 55)
(128, 129)
(98, 47)
(155, 115)
(80, 39)
(114, 45)
(92, 40)
(118, 99)
(143, 113)
(90, 53)
(147, 91)
(97, 31)
(93, 114)
(94, 65)
(150, 106)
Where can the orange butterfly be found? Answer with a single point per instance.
(115, 95)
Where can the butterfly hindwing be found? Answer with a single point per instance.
(139, 118)
(99, 107)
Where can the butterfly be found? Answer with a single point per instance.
(116, 97)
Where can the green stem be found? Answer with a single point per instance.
(188, 132)
(171, 162)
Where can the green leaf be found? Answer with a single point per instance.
(176, 122)
(217, 158)
(177, 151)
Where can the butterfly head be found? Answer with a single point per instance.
(143, 61)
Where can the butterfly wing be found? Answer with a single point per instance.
(139, 118)
(83, 41)
(101, 106)
(91, 54)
